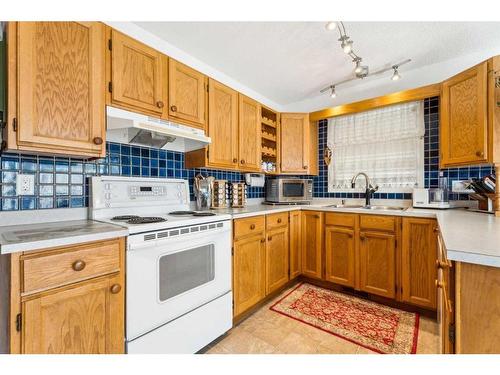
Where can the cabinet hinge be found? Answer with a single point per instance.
(110, 44)
(207, 86)
(208, 153)
(451, 332)
(19, 322)
(14, 124)
(110, 86)
(232, 251)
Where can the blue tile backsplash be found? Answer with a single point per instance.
(63, 182)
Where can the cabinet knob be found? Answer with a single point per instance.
(270, 238)
(279, 220)
(97, 140)
(242, 161)
(316, 216)
(159, 104)
(173, 108)
(362, 237)
(78, 265)
(252, 227)
(263, 240)
(115, 288)
(479, 154)
(235, 160)
(304, 167)
(436, 230)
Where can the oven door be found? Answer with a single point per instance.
(293, 190)
(170, 277)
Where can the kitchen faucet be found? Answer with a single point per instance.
(369, 188)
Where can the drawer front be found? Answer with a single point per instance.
(65, 266)
(250, 225)
(276, 220)
(339, 219)
(378, 222)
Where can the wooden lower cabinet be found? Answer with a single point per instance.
(312, 244)
(84, 318)
(249, 277)
(340, 255)
(295, 244)
(418, 262)
(276, 259)
(377, 263)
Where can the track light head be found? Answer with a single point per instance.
(395, 76)
(331, 25)
(346, 45)
(333, 94)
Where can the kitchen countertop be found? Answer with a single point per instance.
(469, 237)
(15, 238)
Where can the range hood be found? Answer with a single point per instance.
(129, 127)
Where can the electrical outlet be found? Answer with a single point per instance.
(459, 186)
(25, 184)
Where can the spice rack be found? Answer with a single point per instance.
(270, 140)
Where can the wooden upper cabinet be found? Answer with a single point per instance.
(339, 255)
(464, 118)
(138, 76)
(418, 268)
(222, 126)
(312, 243)
(377, 263)
(187, 94)
(277, 257)
(295, 244)
(295, 143)
(249, 272)
(249, 134)
(86, 318)
(58, 71)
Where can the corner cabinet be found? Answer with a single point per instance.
(187, 95)
(138, 79)
(56, 88)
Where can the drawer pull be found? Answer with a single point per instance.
(279, 220)
(252, 227)
(78, 265)
(115, 288)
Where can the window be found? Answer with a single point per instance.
(386, 143)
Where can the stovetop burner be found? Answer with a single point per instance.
(125, 217)
(181, 213)
(145, 220)
(204, 214)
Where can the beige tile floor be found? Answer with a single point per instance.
(266, 332)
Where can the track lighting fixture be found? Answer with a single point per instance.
(333, 94)
(360, 71)
(395, 75)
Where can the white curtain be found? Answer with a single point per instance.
(387, 144)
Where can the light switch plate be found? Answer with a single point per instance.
(458, 186)
(25, 184)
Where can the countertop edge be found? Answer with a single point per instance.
(64, 241)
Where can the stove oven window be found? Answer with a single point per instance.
(186, 270)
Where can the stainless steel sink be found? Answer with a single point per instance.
(389, 208)
(346, 206)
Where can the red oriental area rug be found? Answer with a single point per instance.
(376, 327)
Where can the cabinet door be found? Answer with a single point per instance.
(294, 142)
(418, 268)
(187, 94)
(85, 318)
(295, 244)
(61, 84)
(339, 255)
(249, 276)
(312, 243)
(249, 134)
(138, 75)
(277, 254)
(223, 126)
(464, 117)
(377, 263)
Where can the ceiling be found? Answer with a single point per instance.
(289, 62)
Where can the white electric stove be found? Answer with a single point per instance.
(178, 292)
